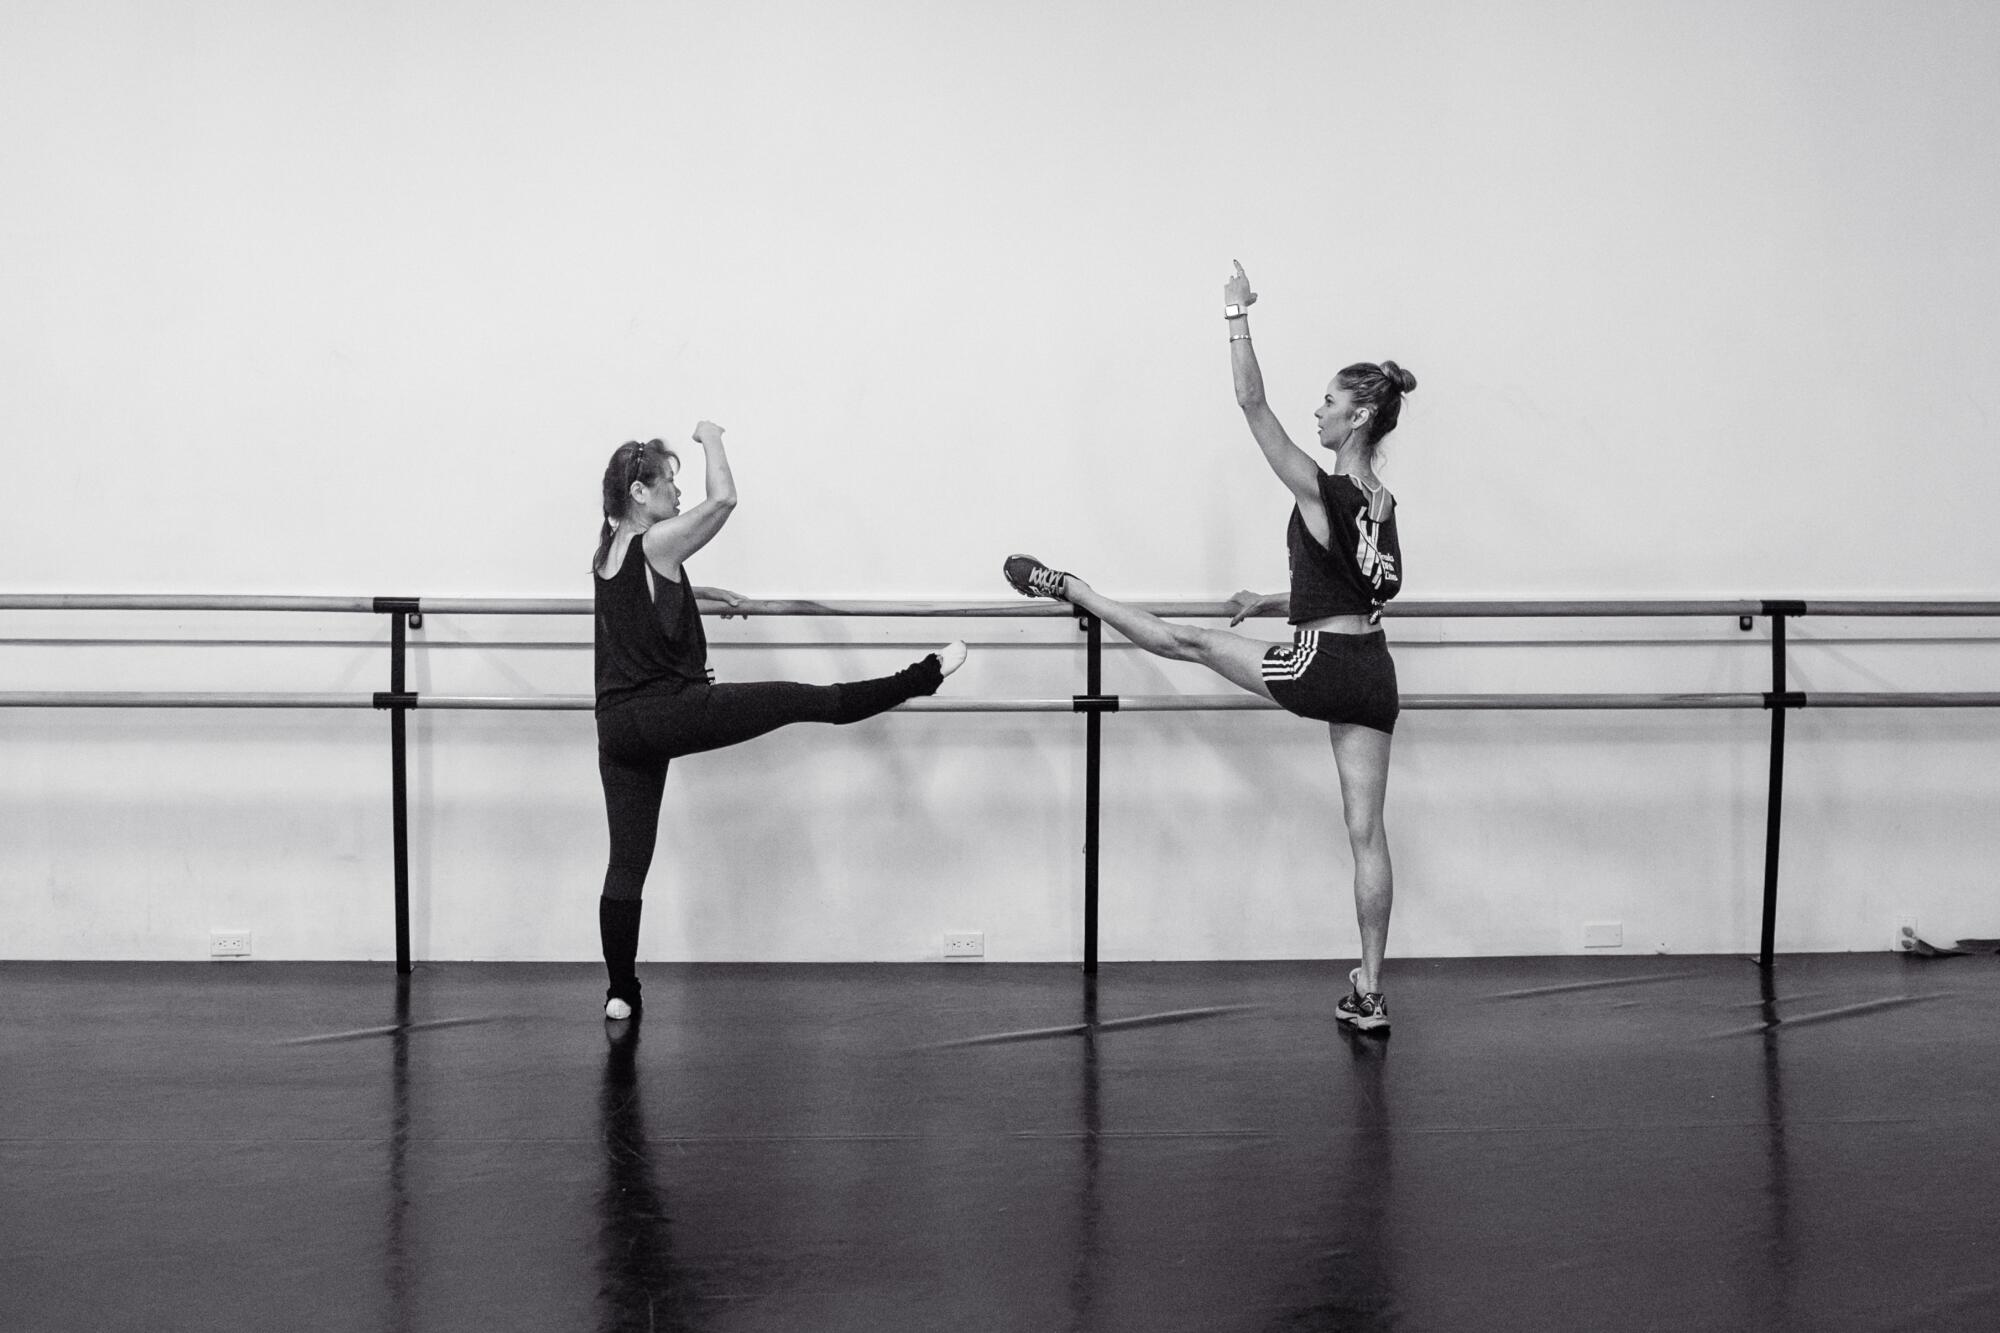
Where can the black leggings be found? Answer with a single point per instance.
(637, 738)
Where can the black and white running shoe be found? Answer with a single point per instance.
(1031, 578)
(1364, 1013)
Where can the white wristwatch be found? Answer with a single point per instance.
(1235, 311)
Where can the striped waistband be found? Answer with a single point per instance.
(1330, 637)
(1292, 661)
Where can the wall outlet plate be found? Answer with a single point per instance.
(1906, 933)
(228, 944)
(965, 944)
(1604, 935)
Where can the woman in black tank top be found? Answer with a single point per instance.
(1346, 562)
(656, 698)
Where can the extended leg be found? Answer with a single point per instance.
(1237, 659)
(712, 717)
(1362, 754)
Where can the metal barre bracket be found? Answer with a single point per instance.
(395, 699)
(1094, 703)
(1784, 608)
(410, 606)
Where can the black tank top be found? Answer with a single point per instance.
(1363, 568)
(647, 638)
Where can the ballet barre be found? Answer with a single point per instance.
(1110, 703)
(1404, 609)
(406, 613)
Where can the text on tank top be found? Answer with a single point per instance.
(1361, 569)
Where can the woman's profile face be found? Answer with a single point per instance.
(1335, 416)
(661, 500)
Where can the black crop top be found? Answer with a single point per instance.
(1364, 567)
(647, 638)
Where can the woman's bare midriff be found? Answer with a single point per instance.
(1340, 625)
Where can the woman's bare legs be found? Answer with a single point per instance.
(1362, 755)
(1237, 659)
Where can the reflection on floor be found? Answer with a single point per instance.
(1602, 1143)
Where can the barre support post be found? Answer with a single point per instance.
(1778, 701)
(1093, 754)
(403, 613)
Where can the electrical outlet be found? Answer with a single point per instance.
(228, 944)
(1604, 935)
(1906, 933)
(965, 944)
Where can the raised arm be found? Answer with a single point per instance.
(673, 540)
(1294, 466)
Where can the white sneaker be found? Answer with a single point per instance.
(952, 656)
(617, 1010)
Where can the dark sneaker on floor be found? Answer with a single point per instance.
(1364, 1013)
(1031, 578)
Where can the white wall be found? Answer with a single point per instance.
(344, 299)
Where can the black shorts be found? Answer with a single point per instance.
(1335, 678)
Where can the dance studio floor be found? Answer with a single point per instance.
(1578, 1143)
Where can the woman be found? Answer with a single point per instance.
(656, 698)
(1346, 562)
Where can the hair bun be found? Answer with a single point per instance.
(1404, 381)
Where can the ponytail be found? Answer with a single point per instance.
(604, 543)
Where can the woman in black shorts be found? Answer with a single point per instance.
(656, 697)
(1346, 562)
